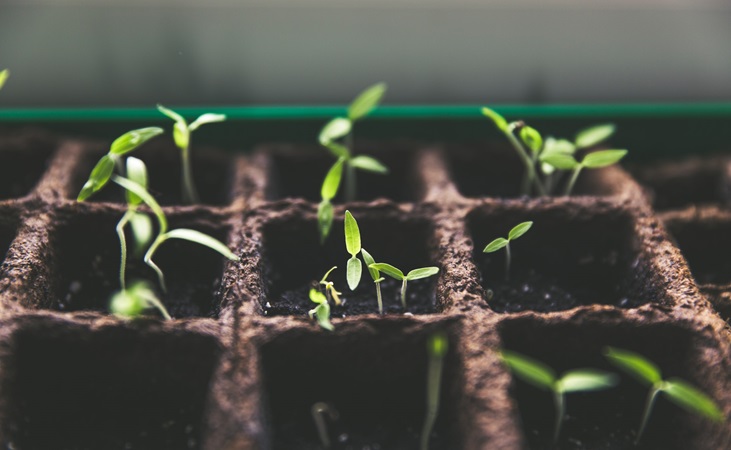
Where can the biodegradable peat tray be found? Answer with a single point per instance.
(241, 363)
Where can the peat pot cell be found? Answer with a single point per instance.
(608, 419)
(294, 261)
(86, 259)
(495, 170)
(567, 259)
(212, 174)
(705, 244)
(22, 167)
(376, 383)
(8, 228)
(69, 388)
(694, 181)
(299, 172)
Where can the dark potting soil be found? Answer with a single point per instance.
(22, 168)
(705, 244)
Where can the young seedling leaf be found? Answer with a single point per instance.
(98, 178)
(366, 101)
(560, 161)
(331, 183)
(141, 226)
(202, 239)
(327, 274)
(634, 364)
(126, 304)
(603, 158)
(389, 270)
(529, 370)
(499, 120)
(4, 77)
(171, 114)
(586, 380)
(338, 150)
(594, 135)
(137, 172)
(322, 310)
(692, 399)
(317, 296)
(424, 272)
(368, 164)
(352, 234)
(495, 245)
(519, 230)
(553, 146)
(531, 138)
(149, 200)
(334, 130)
(368, 259)
(133, 139)
(438, 344)
(181, 135)
(354, 272)
(206, 118)
(325, 216)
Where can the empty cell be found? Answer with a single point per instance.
(570, 257)
(86, 261)
(298, 172)
(22, 164)
(375, 382)
(705, 244)
(610, 418)
(113, 388)
(294, 260)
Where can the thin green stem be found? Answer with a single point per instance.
(350, 182)
(190, 195)
(529, 176)
(507, 261)
(572, 181)
(403, 293)
(378, 296)
(648, 408)
(433, 384)
(157, 304)
(123, 247)
(559, 403)
(148, 260)
(318, 411)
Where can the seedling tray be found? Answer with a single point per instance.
(241, 364)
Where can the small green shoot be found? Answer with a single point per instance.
(319, 410)
(542, 377)
(133, 301)
(330, 292)
(376, 275)
(4, 74)
(678, 391)
(516, 232)
(437, 346)
(182, 134)
(330, 186)
(342, 128)
(416, 274)
(594, 160)
(322, 311)
(164, 234)
(354, 269)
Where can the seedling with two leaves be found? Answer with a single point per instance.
(182, 134)
(331, 137)
(543, 377)
(677, 391)
(545, 161)
(516, 232)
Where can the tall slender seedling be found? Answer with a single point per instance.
(139, 222)
(354, 268)
(376, 275)
(182, 134)
(437, 346)
(516, 232)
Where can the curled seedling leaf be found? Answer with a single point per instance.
(322, 311)
(330, 291)
(352, 245)
(397, 274)
(437, 346)
(500, 243)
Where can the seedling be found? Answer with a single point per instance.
(182, 134)
(437, 346)
(330, 292)
(319, 410)
(328, 191)
(554, 156)
(4, 74)
(416, 274)
(376, 275)
(341, 128)
(133, 301)
(516, 232)
(322, 311)
(543, 377)
(352, 244)
(164, 234)
(678, 391)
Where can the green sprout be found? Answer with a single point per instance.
(543, 377)
(329, 189)
(330, 292)
(678, 391)
(554, 156)
(4, 74)
(134, 300)
(182, 134)
(342, 128)
(164, 234)
(319, 410)
(416, 274)
(322, 311)
(376, 275)
(437, 346)
(516, 232)
(352, 244)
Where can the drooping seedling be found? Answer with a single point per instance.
(322, 311)
(678, 391)
(516, 232)
(320, 411)
(436, 346)
(4, 74)
(134, 300)
(543, 377)
(182, 134)
(416, 274)
(354, 269)
(341, 128)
